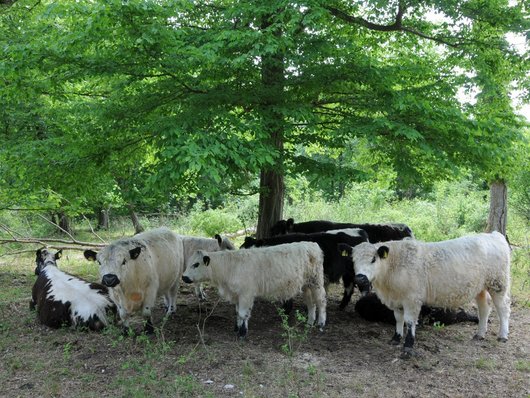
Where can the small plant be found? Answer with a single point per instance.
(67, 351)
(485, 363)
(523, 366)
(294, 335)
(438, 326)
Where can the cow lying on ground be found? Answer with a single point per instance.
(370, 308)
(408, 274)
(146, 266)
(376, 232)
(336, 266)
(62, 299)
(274, 273)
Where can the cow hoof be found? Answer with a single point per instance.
(407, 353)
(502, 339)
(478, 338)
(321, 328)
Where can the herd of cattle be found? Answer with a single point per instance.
(410, 278)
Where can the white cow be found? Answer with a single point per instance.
(275, 273)
(408, 274)
(141, 268)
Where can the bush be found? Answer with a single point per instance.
(210, 222)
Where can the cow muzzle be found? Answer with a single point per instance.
(186, 279)
(363, 283)
(110, 280)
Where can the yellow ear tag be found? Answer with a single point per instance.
(344, 253)
(385, 255)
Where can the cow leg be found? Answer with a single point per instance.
(483, 314)
(502, 305)
(398, 314)
(170, 298)
(310, 304)
(348, 281)
(319, 298)
(199, 291)
(244, 308)
(411, 319)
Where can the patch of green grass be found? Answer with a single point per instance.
(485, 364)
(522, 366)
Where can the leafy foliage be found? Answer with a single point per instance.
(151, 103)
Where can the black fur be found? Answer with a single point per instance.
(55, 313)
(372, 309)
(376, 232)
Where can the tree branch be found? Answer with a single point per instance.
(396, 26)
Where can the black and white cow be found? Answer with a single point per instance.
(376, 232)
(336, 265)
(62, 299)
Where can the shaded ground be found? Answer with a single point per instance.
(196, 353)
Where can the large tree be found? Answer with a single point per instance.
(206, 97)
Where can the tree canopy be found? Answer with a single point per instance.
(150, 102)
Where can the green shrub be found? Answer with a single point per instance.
(210, 222)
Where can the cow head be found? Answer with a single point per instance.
(197, 268)
(249, 242)
(367, 258)
(45, 258)
(112, 260)
(282, 227)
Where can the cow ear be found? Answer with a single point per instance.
(206, 260)
(219, 239)
(38, 254)
(383, 251)
(90, 255)
(135, 252)
(345, 249)
(59, 254)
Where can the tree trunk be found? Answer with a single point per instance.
(103, 219)
(64, 223)
(134, 218)
(270, 202)
(498, 215)
(271, 178)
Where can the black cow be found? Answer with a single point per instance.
(336, 265)
(370, 308)
(62, 299)
(376, 232)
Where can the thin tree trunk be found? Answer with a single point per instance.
(498, 214)
(103, 219)
(64, 223)
(134, 218)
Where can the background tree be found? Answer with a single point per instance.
(173, 98)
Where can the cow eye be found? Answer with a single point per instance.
(373, 259)
(195, 265)
(124, 261)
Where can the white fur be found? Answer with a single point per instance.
(347, 231)
(156, 272)
(85, 302)
(444, 274)
(275, 273)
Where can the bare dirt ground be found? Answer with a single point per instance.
(196, 353)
